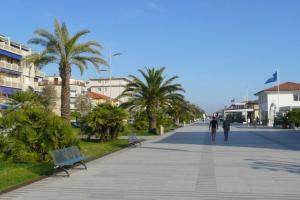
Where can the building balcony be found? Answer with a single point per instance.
(47, 82)
(10, 67)
(40, 74)
(10, 84)
(16, 50)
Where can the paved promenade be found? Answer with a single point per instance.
(254, 164)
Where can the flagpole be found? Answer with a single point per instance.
(278, 90)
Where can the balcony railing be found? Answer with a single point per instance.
(46, 82)
(10, 84)
(13, 67)
(40, 74)
(10, 48)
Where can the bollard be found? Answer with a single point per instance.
(161, 130)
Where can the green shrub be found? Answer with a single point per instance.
(106, 121)
(33, 133)
(294, 116)
(140, 120)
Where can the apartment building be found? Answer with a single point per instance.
(77, 88)
(15, 74)
(109, 87)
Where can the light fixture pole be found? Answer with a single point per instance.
(110, 71)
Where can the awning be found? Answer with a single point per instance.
(10, 54)
(8, 90)
(6, 106)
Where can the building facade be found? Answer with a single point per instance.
(242, 112)
(77, 88)
(111, 88)
(273, 103)
(15, 73)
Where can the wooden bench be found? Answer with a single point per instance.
(132, 139)
(67, 157)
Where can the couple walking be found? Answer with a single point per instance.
(213, 126)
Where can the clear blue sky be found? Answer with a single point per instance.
(217, 47)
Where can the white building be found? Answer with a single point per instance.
(111, 88)
(272, 103)
(77, 88)
(242, 112)
(15, 74)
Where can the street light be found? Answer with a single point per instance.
(109, 69)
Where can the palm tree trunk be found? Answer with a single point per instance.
(152, 117)
(65, 74)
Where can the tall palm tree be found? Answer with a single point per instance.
(65, 50)
(152, 93)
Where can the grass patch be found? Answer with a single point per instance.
(130, 129)
(96, 149)
(14, 174)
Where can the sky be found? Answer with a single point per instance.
(220, 49)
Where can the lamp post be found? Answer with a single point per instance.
(110, 71)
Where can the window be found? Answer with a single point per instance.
(296, 97)
(99, 89)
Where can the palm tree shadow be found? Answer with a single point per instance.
(274, 165)
(259, 139)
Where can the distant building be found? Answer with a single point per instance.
(77, 88)
(241, 112)
(288, 97)
(97, 98)
(111, 88)
(15, 74)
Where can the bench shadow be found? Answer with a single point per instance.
(274, 165)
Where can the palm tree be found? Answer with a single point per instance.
(65, 50)
(177, 109)
(152, 94)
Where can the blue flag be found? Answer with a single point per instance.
(272, 79)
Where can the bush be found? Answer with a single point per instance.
(294, 116)
(106, 121)
(140, 121)
(33, 133)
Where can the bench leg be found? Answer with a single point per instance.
(82, 163)
(62, 168)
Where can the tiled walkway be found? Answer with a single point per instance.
(254, 164)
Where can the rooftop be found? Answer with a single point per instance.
(6, 40)
(287, 86)
(95, 95)
(113, 78)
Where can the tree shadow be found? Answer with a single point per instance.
(166, 149)
(252, 139)
(275, 165)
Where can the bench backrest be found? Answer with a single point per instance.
(65, 154)
(132, 138)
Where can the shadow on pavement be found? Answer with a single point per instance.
(167, 149)
(259, 139)
(274, 165)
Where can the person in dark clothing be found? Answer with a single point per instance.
(213, 126)
(226, 127)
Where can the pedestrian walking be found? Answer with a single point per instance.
(226, 127)
(213, 126)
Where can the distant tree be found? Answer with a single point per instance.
(83, 105)
(48, 97)
(65, 50)
(152, 93)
